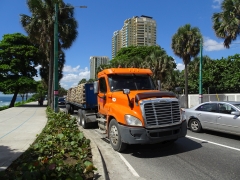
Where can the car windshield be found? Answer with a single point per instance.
(119, 82)
(61, 99)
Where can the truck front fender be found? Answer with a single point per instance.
(118, 111)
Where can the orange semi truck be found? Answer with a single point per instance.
(130, 109)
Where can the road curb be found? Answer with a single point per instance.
(98, 160)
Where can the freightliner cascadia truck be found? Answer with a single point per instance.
(128, 108)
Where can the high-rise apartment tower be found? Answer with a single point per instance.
(95, 62)
(136, 31)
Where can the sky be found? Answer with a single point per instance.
(101, 18)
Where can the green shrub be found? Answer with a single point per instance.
(60, 152)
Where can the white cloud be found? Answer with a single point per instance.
(37, 78)
(70, 69)
(212, 45)
(38, 67)
(180, 66)
(216, 4)
(72, 75)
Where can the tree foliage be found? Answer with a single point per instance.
(82, 81)
(62, 92)
(40, 28)
(91, 80)
(218, 76)
(152, 57)
(132, 55)
(18, 59)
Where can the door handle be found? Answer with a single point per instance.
(219, 117)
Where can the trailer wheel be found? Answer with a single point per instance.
(79, 117)
(84, 122)
(68, 108)
(71, 111)
(115, 137)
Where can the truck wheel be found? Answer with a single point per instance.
(170, 141)
(84, 122)
(71, 111)
(115, 137)
(195, 125)
(68, 108)
(79, 117)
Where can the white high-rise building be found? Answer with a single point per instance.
(95, 62)
(136, 31)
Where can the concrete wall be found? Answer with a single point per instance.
(193, 99)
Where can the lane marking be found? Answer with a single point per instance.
(222, 145)
(19, 125)
(129, 166)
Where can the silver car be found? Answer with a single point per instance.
(223, 116)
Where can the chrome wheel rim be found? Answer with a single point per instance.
(114, 135)
(194, 125)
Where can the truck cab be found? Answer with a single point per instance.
(132, 111)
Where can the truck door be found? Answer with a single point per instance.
(102, 96)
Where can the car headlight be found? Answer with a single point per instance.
(132, 121)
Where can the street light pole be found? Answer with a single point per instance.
(56, 60)
(56, 56)
(200, 75)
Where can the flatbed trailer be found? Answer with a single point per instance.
(87, 108)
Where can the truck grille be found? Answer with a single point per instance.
(162, 113)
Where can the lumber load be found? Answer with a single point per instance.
(76, 94)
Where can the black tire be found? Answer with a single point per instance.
(170, 141)
(79, 117)
(84, 122)
(71, 111)
(173, 140)
(68, 108)
(195, 125)
(115, 137)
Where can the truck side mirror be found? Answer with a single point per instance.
(126, 91)
(178, 89)
(95, 87)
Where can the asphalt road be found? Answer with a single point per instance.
(207, 155)
(210, 157)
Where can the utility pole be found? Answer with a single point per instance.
(56, 60)
(200, 75)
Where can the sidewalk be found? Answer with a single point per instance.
(20, 125)
(18, 129)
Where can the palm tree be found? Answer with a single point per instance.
(186, 45)
(160, 64)
(172, 80)
(44, 69)
(135, 62)
(40, 29)
(226, 23)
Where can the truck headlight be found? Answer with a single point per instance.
(132, 121)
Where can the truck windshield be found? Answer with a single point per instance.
(118, 82)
